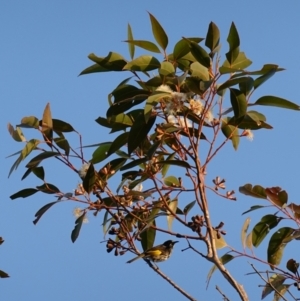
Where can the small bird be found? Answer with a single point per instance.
(158, 253)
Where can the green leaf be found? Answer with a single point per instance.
(39, 172)
(234, 43)
(200, 54)
(62, 126)
(274, 281)
(131, 47)
(252, 208)
(275, 101)
(62, 143)
(118, 143)
(139, 132)
(166, 69)
(24, 193)
(188, 207)
(224, 259)
(40, 213)
(105, 221)
(93, 69)
(170, 218)
(241, 63)
(280, 291)
(246, 85)
(212, 37)
(144, 44)
(101, 153)
(30, 122)
(172, 181)
(233, 82)
(244, 231)
(16, 134)
(48, 188)
(262, 228)
(260, 80)
(277, 244)
(238, 102)
(158, 33)
(292, 266)
(175, 163)
(89, 179)
(134, 163)
(3, 274)
(182, 47)
(256, 191)
(199, 71)
(37, 159)
(47, 124)
(230, 132)
(112, 62)
(148, 237)
(76, 230)
(143, 63)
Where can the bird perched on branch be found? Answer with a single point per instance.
(158, 253)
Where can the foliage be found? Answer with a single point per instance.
(161, 123)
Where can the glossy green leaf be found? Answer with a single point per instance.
(182, 47)
(166, 69)
(256, 191)
(39, 172)
(241, 63)
(234, 43)
(62, 126)
(153, 149)
(144, 44)
(212, 37)
(30, 122)
(246, 85)
(48, 188)
(244, 231)
(76, 230)
(199, 71)
(148, 237)
(131, 47)
(275, 101)
(47, 124)
(277, 244)
(93, 69)
(230, 132)
(174, 163)
(224, 259)
(263, 227)
(188, 207)
(40, 157)
(264, 70)
(24, 193)
(16, 134)
(252, 208)
(89, 179)
(158, 33)
(106, 219)
(260, 80)
(143, 63)
(170, 218)
(172, 181)
(112, 62)
(274, 281)
(101, 153)
(139, 132)
(200, 54)
(238, 102)
(41, 211)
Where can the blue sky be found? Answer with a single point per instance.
(44, 48)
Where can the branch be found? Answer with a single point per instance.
(223, 295)
(159, 272)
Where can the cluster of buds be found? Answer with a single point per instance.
(117, 232)
(196, 223)
(113, 245)
(219, 183)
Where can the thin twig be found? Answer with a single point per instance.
(223, 295)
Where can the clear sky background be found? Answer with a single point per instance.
(44, 46)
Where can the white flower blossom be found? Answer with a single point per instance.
(164, 88)
(249, 134)
(209, 116)
(179, 121)
(196, 106)
(83, 170)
